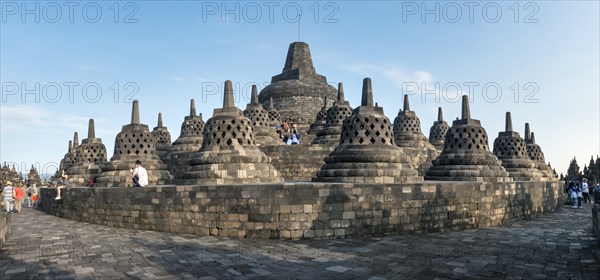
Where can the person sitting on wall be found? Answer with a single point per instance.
(65, 184)
(139, 175)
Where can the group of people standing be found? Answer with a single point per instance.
(288, 131)
(16, 196)
(579, 192)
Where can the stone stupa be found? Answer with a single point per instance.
(33, 177)
(466, 155)
(264, 133)
(298, 91)
(511, 149)
(318, 125)
(229, 154)
(336, 114)
(274, 115)
(366, 152)
(133, 143)
(438, 130)
(163, 139)
(91, 155)
(534, 151)
(187, 144)
(408, 134)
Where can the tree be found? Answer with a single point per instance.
(573, 171)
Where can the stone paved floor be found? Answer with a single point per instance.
(559, 245)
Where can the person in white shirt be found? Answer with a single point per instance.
(585, 190)
(139, 175)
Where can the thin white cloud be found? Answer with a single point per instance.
(27, 118)
(393, 73)
(176, 78)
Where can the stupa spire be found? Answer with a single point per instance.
(406, 104)
(228, 95)
(532, 139)
(367, 93)
(298, 57)
(91, 129)
(192, 108)
(527, 133)
(508, 124)
(135, 112)
(325, 103)
(254, 97)
(440, 115)
(70, 145)
(75, 140)
(271, 103)
(340, 96)
(466, 112)
(160, 122)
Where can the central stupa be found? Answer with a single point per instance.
(299, 91)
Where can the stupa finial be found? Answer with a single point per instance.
(532, 139)
(91, 129)
(440, 115)
(70, 145)
(367, 93)
(228, 95)
(254, 97)
(75, 139)
(406, 107)
(135, 112)
(527, 132)
(466, 112)
(271, 103)
(508, 124)
(192, 108)
(340, 96)
(325, 103)
(160, 122)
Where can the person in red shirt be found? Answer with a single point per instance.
(19, 195)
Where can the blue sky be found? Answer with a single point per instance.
(543, 56)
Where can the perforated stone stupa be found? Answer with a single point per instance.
(91, 155)
(229, 154)
(264, 133)
(336, 114)
(163, 139)
(534, 151)
(438, 130)
(134, 142)
(466, 155)
(71, 157)
(511, 149)
(318, 125)
(298, 91)
(33, 177)
(187, 144)
(274, 115)
(366, 152)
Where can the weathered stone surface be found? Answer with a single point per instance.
(187, 144)
(163, 139)
(336, 114)
(133, 143)
(534, 151)
(265, 133)
(596, 219)
(294, 210)
(466, 155)
(91, 155)
(229, 153)
(297, 162)
(438, 130)
(298, 91)
(366, 152)
(511, 149)
(5, 227)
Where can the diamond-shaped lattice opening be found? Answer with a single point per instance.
(229, 142)
(372, 140)
(137, 152)
(377, 133)
(367, 133)
(361, 140)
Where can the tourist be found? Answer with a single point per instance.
(139, 175)
(573, 189)
(585, 191)
(34, 195)
(65, 184)
(28, 198)
(19, 196)
(91, 182)
(9, 197)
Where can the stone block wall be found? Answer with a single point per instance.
(307, 210)
(4, 228)
(297, 162)
(596, 219)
